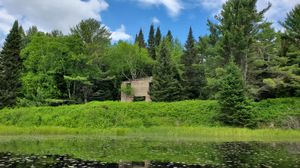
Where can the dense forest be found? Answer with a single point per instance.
(243, 58)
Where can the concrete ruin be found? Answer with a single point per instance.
(140, 90)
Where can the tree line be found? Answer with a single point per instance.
(242, 58)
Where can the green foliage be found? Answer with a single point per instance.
(165, 86)
(127, 89)
(127, 60)
(143, 114)
(46, 58)
(92, 32)
(38, 86)
(95, 39)
(10, 67)
(274, 112)
(234, 107)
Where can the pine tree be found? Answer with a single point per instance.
(165, 86)
(193, 74)
(170, 36)
(140, 39)
(10, 67)
(136, 39)
(234, 108)
(151, 43)
(158, 37)
(214, 33)
(292, 25)
(239, 24)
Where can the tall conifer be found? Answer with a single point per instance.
(151, 43)
(193, 75)
(170, 36)
(140, 39)
(10, 67)
(239, 24)
(158, 37)
(165, 86)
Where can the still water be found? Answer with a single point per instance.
(115, 152)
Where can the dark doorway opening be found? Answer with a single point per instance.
(139, 98)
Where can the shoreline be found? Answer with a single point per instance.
(202, 133)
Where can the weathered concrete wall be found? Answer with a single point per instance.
(140, 88)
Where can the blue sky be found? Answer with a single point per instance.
(135, 16)
(124, 18)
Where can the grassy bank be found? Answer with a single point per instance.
(216, 134)
(142, 114)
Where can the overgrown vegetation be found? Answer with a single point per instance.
(268, 113)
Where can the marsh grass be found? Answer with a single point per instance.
(222, 134)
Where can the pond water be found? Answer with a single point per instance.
(116, 152)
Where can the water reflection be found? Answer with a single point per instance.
(143, 153)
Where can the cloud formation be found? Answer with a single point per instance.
(278, 11)
(173, 7)
(155, 20)
(120, 34)
(52, 14)
(49, 14)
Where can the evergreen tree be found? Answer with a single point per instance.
(239, 24)
(193, 74)
(292, 25)
(158, 37)
(234, 108)
(170, 36)
(165, 86)
(214, 33)
(151, 43)
(140, 39)
(136, 39)
(10, 67)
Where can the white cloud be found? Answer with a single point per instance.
(120, 34)
(155, 20)
(276, 13)
(5, 21)
(212, 4)
(49, 14)
(174, 7)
